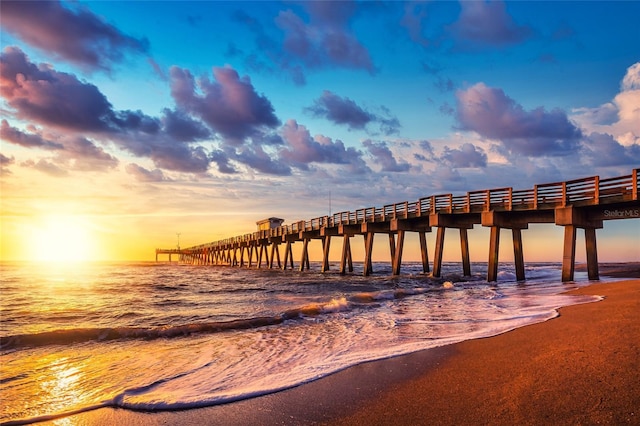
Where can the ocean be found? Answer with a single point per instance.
(159, 336)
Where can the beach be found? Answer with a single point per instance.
(579, 368)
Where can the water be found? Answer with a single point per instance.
(162, 337)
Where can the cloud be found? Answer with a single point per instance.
(620, 117)
(84, 155)
(183, 128)
(157, 69)
(76, 153)
(61, 101)
(383, 156)
(486, 24)
(222, 161)
(49, 97)
(427, 153)
(166, 153)
(492, 114)
(412, 20)
(345, 111)
(468, 155)
(302, 149)
(230, 104)
(27, 140)
(631, 80)
(602, 150)
(143, 175)
(46, 167)
(76, 35)
(255, 157)
(326, 40)
(321, 40)
(340, 111)
(4, 163)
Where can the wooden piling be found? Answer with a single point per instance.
(437, 255)
(326, 245)
(592, 253)
(368, 248)
(423, 251)
(569, 253)
(494, 248)
(464, 248)
(397, 259)
(518, 255)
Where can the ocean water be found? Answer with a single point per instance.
(158, 336)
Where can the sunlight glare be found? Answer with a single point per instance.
(62, 239)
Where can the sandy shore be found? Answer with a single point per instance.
(580, 368)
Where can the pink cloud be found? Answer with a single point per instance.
(74, 34)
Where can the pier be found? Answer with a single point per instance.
(576, 204)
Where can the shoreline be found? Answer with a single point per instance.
(580, 367)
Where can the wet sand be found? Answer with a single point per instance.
(580, 368)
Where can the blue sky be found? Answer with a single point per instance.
(265, 107)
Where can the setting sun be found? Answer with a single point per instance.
(62, 239)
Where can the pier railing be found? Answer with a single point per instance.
(579, 192)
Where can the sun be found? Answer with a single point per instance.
(62, 239)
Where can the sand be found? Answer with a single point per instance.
(580, 368)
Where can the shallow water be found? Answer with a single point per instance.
(167, 336)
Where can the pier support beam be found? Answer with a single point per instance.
(368, 249)
(464, 248)
(346, 255)
(326, 245)
(494, 248)
(437, 255)
(304, 261)
(592, 253)
(423, 251)
(506, 220)
(275, 254)
(397, 255)
(572, 218)
(288, 255)
(448, 220)
(569, 253)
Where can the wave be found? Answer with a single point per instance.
(83, 335)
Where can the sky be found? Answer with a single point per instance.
(127, 126)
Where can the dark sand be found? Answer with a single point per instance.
(580, 368)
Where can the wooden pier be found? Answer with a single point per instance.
(575, 204)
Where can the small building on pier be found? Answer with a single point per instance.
(269, 223)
